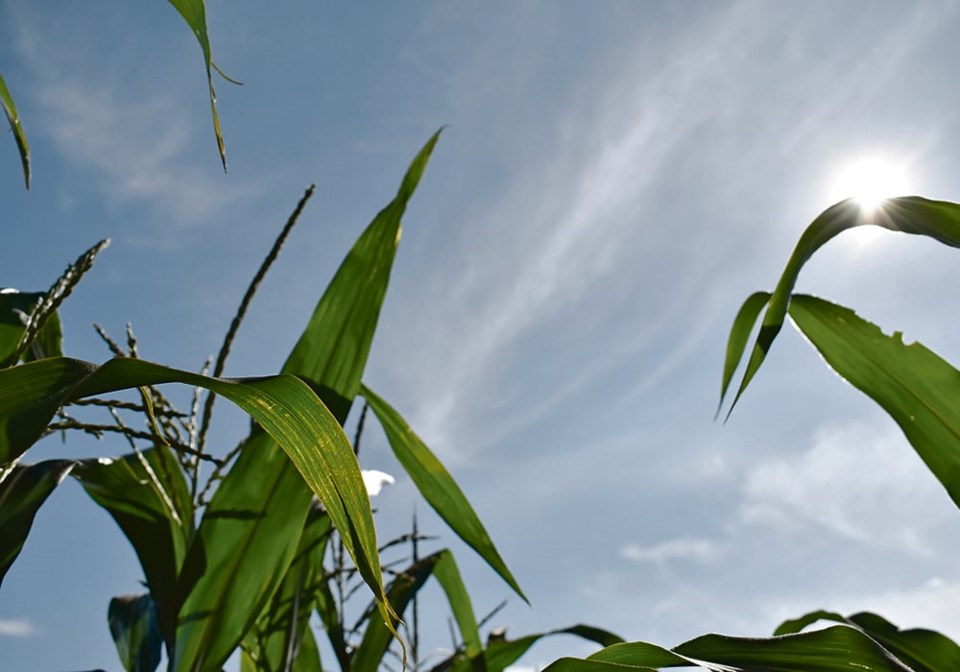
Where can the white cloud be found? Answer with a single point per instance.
(860, 481)
(683, 548)
(374, 480)
(16, 628)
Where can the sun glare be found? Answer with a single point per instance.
(870, 182)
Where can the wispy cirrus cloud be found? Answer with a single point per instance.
(682, 548)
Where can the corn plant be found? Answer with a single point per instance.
(918, 389)
(221, 554)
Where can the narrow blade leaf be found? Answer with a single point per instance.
(743, 324)
(22, 493)
(501, 654)
(155, 513)
(917, 388)
(13, 118)
(437, 486)
(939, 220)
(136, 633)
(194, 12)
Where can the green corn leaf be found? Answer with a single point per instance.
(939, 220)
(437, 486)
(329, 356)
(283, 405)
(14, 308)
(329, 616)
(501, 654)
(332, 352)
(743, 324)
(283, 625)
(133, 624)
(154, 510)
(835, 649)
(24, 489)
(240, 554)
(194, 12)
(923, 650)
(443, 567)
(919, 390)
(13, 118)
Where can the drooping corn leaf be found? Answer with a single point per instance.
(442, 566)
(13, 118)
(330, 357)
(437, 486)
(835, 649)
(281, 629)
(283, 405)
(22, 493)
(923, 650)
(15, 307)
(743, 324)
(194, 12)
(155, 512)
(136, 633)
(919, 390)
(502, 653)
(939, 220)
(329, 616)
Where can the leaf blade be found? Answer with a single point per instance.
(13, 119)
(438, 487)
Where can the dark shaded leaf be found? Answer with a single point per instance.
(500, 654)
(15, 308)
(437, 486)
(923, 650)
(22, 492)
(441, 565)
(939, 220)
(13, 118)
(133, 624)
(155, 512)
(919, 390)
(836, 649)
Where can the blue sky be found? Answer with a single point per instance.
(615, 179)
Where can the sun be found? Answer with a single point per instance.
(870, 182)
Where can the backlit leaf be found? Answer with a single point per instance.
(437, 486)
(13, 119)
(919, 390)
(939, 220)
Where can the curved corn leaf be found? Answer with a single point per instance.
(919, 390)
(923, 650)
(441, 565)
(500, 654)
(24, 489)
(15, 308)
(283, 405)
(743, 324)
(155, 513)
(13, 118)
(329, 356)
(194, 12)
(437, 486)
(835, 649)
(133, 624)
(939, 220)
